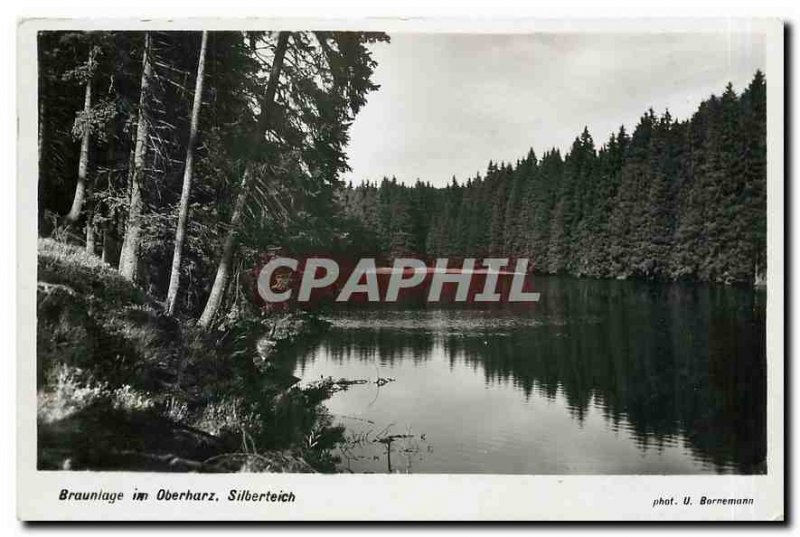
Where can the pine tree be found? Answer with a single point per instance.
(129, 257)
(183, 207)
(672, 200)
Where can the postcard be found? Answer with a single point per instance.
(380, 270)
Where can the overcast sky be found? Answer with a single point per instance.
(448, 103)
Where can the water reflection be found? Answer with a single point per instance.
(644, 378)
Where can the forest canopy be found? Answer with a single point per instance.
(673, 199)
(183, 158)
(179, 157)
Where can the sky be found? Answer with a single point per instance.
(449, 103)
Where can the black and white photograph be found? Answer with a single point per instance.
(404, 252)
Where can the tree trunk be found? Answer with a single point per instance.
(224, 267)
(272, 84)
(183, 208)
(130, 245)
(83, 163)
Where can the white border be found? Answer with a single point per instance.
(400, 497)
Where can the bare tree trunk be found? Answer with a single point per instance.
(83, 163)
(130, 245)
(224, 267)
(183, 208)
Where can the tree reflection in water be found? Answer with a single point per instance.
(664, 361)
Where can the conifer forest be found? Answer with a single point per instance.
(173, 163)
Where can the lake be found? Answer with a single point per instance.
(598, 377)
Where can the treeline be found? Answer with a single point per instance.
(671, 200)
(179, 157)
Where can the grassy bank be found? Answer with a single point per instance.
(123, 386)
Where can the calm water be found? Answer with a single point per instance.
(599, 377)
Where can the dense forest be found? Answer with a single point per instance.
(168, 163)
(671, 200)
(180, 157)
